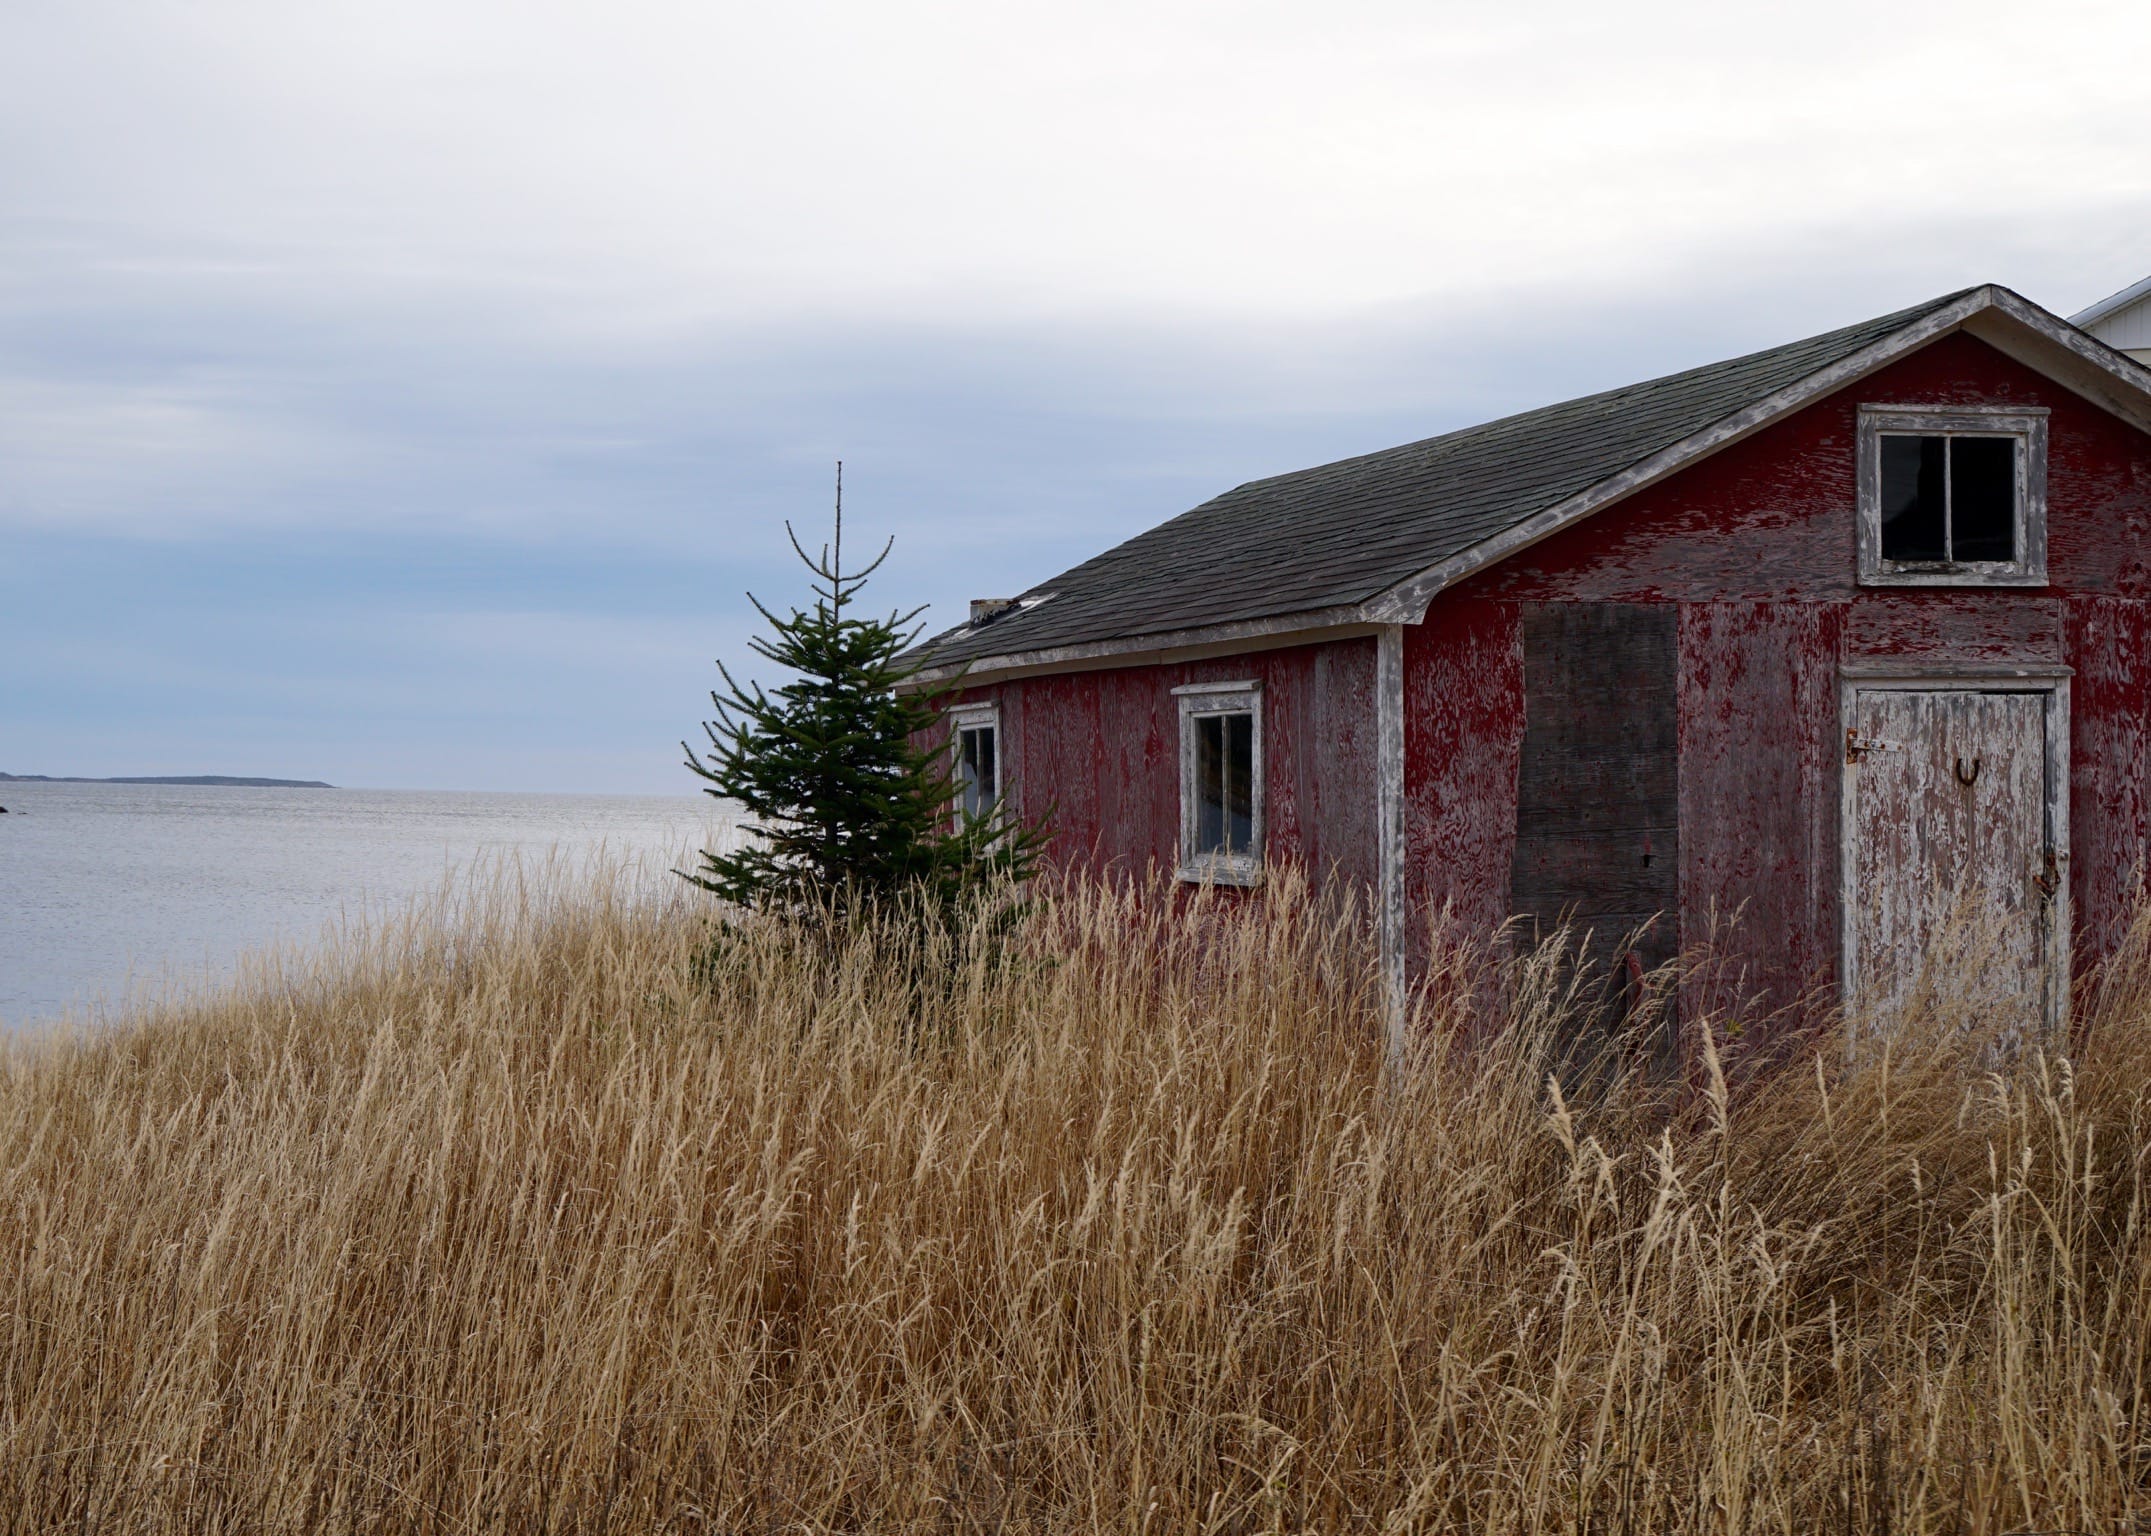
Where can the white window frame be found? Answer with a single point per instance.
(1201, 866)
(2026, 424)
(974, 717)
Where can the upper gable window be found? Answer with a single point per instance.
(1221, 809)
(1952, 496)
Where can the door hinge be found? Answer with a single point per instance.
(1858, 746)
(2049, 882)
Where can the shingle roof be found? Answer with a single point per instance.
(1342, 533)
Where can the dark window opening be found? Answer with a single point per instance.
(1948, 499)
(1225, 784)
(1983, 498)
(1915, 522)
(977, 770)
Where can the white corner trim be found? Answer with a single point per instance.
(1389, 834)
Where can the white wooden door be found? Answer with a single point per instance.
(1956, 852)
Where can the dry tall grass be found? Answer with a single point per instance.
(521, 1221)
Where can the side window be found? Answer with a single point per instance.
(1221, 782)
(975, 737)
(1952, 497)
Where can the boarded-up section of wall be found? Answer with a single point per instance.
(1598, 782)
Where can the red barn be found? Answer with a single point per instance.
(1828, 636)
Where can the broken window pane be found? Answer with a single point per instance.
(1982, 498)
(977, 771)
(1914, 519)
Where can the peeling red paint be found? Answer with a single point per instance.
(1463, 732)
(1758, 798)
(1098, 751)
(1756, 547)
(2109, 645)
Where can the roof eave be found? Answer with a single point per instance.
(1998, 316)
(1272, 633)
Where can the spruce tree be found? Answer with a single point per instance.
(847, 806)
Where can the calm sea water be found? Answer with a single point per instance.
(107, 887)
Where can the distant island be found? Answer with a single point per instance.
(218, 779)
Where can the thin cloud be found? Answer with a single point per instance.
(416, 378)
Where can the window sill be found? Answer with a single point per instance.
(1953, 576)
(1217, 871)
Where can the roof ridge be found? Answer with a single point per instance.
(1342, 540)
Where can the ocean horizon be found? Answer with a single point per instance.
(118, 893)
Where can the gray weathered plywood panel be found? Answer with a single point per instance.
(1598, 784)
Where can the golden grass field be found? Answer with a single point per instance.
(512, 1218)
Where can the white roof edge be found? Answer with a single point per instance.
(1407, 601)
(1341, 622)
(2110, 303)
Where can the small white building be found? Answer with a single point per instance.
(2122, 320)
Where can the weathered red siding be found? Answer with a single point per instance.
(1099, 750)
(1756, 546)
(1758, 792)
(1463, 733)
(2109, 644)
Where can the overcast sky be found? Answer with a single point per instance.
(405, 393)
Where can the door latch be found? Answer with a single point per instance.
(1858, 746)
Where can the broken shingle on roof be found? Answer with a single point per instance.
(1330, 543)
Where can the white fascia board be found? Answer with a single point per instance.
(2008, 321)
(2081, 363)
(1339, 623)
